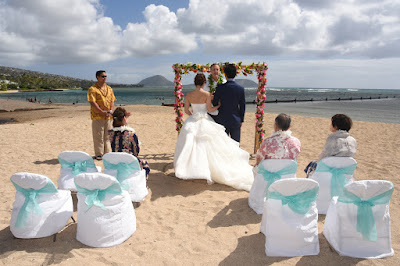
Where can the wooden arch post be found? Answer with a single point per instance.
(260, 68)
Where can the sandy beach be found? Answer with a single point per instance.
(180, 222)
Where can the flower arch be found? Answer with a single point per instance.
(259, 68)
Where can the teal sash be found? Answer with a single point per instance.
(299, 203)
(338, 180)
(30, 204)
(123, 171)
(271, 177)
(365, 218)
(96, 196)
(77, 167)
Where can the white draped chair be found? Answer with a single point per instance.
(358, 222)
(290, 218)
(125, 167)
(332, 174)
(268, 171)
(39, 209)
(105, 213)
(73, 163)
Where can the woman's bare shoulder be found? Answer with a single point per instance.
(189, 95)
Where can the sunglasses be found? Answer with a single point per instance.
(103, 76)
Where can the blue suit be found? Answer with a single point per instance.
(233, 105)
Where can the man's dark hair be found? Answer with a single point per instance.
(230, 71)
(199, 79)
(214, 64)
(99, 72)
(342, 122)
(283, 121)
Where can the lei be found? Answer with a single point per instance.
(123, 128)
(211, 82)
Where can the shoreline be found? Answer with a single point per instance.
(357, 110)
(41, 90)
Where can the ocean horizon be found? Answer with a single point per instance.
(324, 104)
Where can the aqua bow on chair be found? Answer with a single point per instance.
(30, 204)
(96, 196)
(123, 171)
(365, 218)
(77, 167)
(299, 203)
(271, 177)
(338, 180)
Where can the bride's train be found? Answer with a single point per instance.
(204, 151)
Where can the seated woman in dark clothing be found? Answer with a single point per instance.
(124, 139)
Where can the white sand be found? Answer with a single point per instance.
(180, 222)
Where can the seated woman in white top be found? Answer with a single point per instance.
(339, 143)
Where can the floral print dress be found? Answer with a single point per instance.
(124, 139)
(280, 145)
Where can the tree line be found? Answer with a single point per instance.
(14, 78)
(20, 79)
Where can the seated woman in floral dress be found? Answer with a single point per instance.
(123, 138)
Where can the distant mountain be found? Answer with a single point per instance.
(247, 83)
(156, 81)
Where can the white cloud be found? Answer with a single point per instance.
(63, 31)
(158, 35)
(76, 31)
(299, 28)
(71, 32)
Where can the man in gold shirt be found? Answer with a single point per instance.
(101, 98)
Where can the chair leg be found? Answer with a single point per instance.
(55, 237)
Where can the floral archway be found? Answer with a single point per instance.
(259, 68)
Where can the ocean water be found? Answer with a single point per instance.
(386, 109)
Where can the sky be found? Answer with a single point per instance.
(306, 43)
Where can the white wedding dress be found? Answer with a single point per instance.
(205, 151)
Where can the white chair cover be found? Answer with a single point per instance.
(39, 209)
(260, 185)
(289, 233)
(105, 213)
(340, 228)
(135, 182)
(324, 179)
(68, 159)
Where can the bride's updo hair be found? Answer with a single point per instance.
(199, 79)
(118, 116)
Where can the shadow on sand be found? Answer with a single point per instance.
(57, 251)
(237, 212)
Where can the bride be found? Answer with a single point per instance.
(204, 150)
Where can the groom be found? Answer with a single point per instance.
(233, 104)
